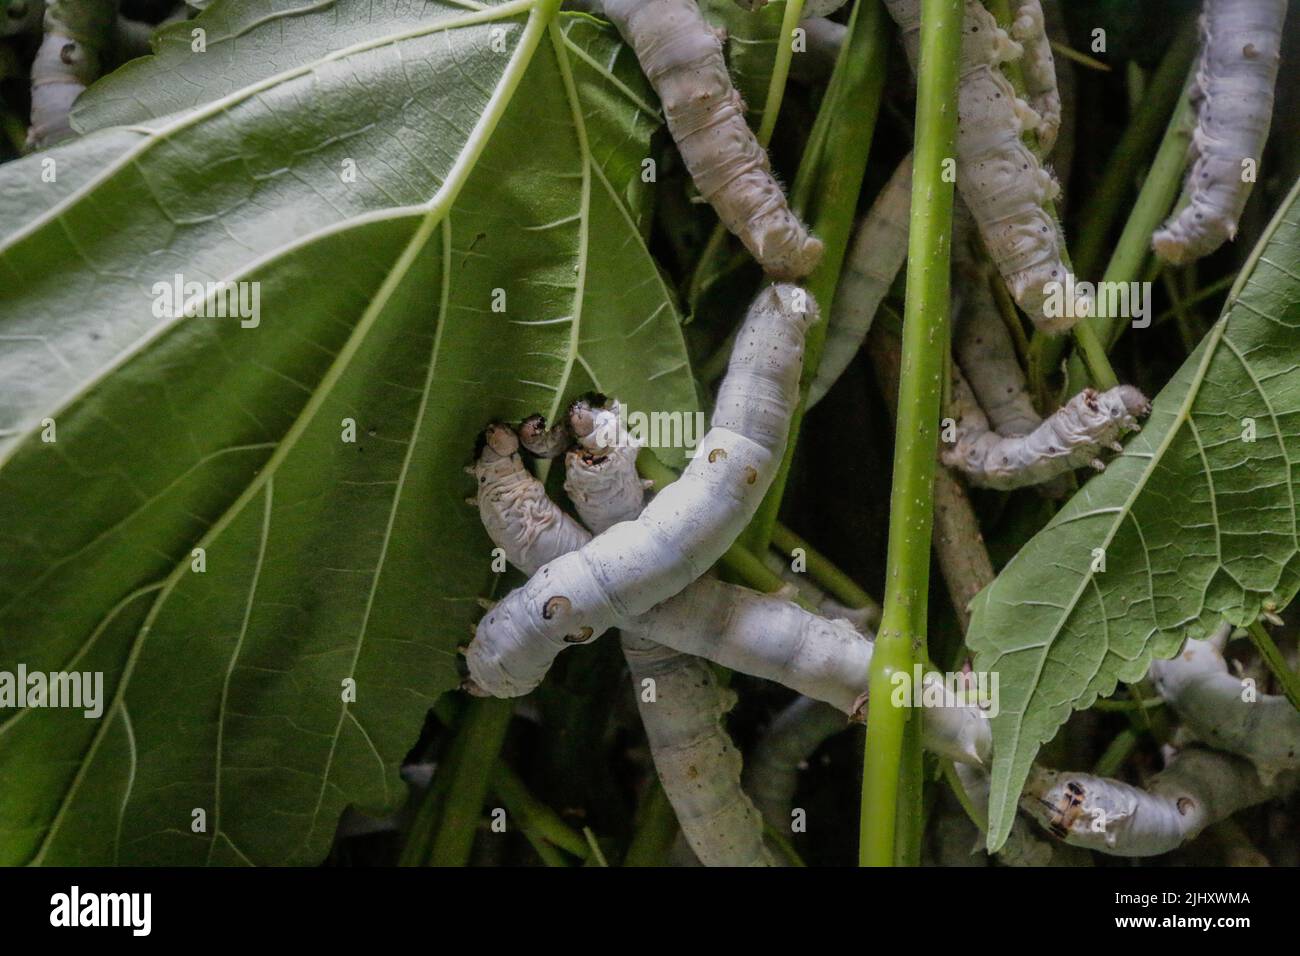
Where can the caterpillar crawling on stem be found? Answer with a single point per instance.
(637, 564)
(682, 58)
(1241, 43)
(1001, 180)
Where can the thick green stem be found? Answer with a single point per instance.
(780, 70)
(1286, 677)
(1097, 216)
(823, 571)
(901, 639)
(849, 112)
(1155, 199)
(535, 818)
(469, 765)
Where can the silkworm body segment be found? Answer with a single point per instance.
(682, 58)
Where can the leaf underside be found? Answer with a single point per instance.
(1196, 524)
(491, 153)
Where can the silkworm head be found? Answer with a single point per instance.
(500, 439)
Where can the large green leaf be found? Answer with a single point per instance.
(752, 38)
(1196, 523)
(491, 152)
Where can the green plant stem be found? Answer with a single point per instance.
(823, 571)
(1199, 296)
(1286, 677)
(469, 765)
(1155, 199)
(533, 816)
(837, 172)
(901, 638)
(596, 856)
(654, 830)
(1097, 216)
(780, 71)
(1116, 753)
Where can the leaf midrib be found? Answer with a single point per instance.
(539, 15)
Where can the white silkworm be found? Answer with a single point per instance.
(1241, 44)
(697, 764)
(70, 58)
(772, 775)
(1199, 787)
(1003, 183)
(1039, 69)
(600, 474)
(637, 564)
(682, 57)
(1220, 710)
(1070, 438)
(983, 349)
(873, 260)
(542, 441)
(1024, 847)
(514, 507)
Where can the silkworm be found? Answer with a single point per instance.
(543, 441)
(982, 346)
(514, 507)
(878, 251)
(1213, 705)
(600, 474)
(1029, 28)
(695, 760)
(1199, 787)
(682, 58)
(1241, 44)
(1070, 438)
(698, 765)
(772, 774)
(681, 533)
(70, 58)
(1002, 181)
(1024, 847)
